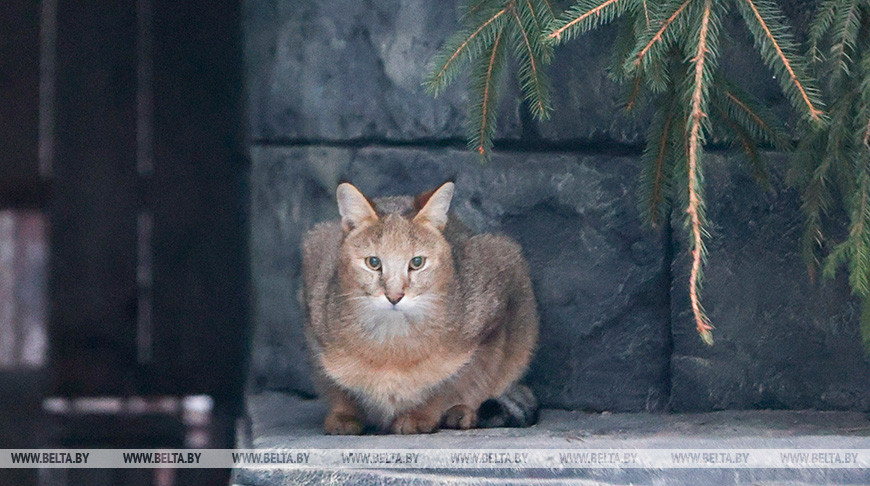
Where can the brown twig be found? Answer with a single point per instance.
(697, 114)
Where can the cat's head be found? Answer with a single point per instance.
(392, 261)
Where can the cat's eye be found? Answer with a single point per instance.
(417, 263)
(373, 262)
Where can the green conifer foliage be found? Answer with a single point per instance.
(666, 54)
(490, 28)
(833, 161)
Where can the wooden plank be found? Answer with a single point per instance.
(200, 272)
(93, 208)
(19, 98)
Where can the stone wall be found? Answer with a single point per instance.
(334, 91)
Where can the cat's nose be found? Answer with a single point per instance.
(395, 298)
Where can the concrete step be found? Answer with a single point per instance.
(285, 421)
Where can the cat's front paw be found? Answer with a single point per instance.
(414, 423)
(342, 424)
(460, 417)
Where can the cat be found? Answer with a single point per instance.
(413, 323)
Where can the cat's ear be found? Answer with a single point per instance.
(433, 210)
(355, 209)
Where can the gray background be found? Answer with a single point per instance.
(335, 91)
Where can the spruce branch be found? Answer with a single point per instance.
(764, 126)
(695, 207)
(546, 7)
(865, 327)
(465, 45)
(866, 139)
(657, 38)
(831, 157)
(822, 21)
(854, 250)
(540, 11)
(631, 84)
(750, 114)
(666, 53)
(482, 114)
(811, 174)
(631, 100)
(773, 39)
(622, 46)
(656, 168)
(468, 11)
(646, 14)
(864, 88)
(845, 32)
(864, 95)
(514, 26)
(584, 16)
(532, 55)
(846, 142)
(741, 137)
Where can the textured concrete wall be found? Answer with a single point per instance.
(334, 90)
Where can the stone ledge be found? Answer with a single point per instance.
(280, 420)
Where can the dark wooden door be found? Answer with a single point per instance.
(123, 127)
(149, 277)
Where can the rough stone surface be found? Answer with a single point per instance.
(347, 70)
(350, 69)
(599, 278)
(782, 341)
(280, 421)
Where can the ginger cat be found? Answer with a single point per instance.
(413, 323)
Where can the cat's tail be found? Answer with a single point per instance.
(517, 407)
